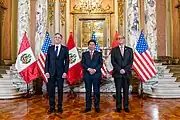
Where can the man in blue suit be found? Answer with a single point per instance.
(92, 62)
(56, 68)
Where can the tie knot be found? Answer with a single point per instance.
(57, 47)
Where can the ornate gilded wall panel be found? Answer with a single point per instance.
(63, 11)
(51, 4)
(121, 11)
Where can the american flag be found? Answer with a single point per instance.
(143, 64)
(42, 56)
(97, 48)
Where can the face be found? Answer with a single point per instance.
(92, 45)
(121, 40)
(57, 39)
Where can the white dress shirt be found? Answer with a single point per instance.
(59, 48)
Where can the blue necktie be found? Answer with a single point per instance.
(56, 51)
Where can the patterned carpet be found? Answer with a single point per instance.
(35, 108)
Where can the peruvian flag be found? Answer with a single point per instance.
(108, 60)
(75, 69)
(26, 63)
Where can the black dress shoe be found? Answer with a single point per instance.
(60, 110)
(97, 110)
(51, 111)
(126, 110)
(118, 110)
(86, 110)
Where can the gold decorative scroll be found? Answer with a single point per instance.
(2, 8)
(63, 11)
(121, 11)
(91, 6)
(51, 4)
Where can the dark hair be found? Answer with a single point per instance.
(58, 34)
(91, 41)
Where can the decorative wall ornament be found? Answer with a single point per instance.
(63, 12)
(91, 6)
(41, 24)
(132, 25)
(150, 26)
(23, 19)
(2, 8)
(51, 4)
(121, 11)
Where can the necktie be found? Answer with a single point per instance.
(91, 53)
(122, 50)
(56, 51)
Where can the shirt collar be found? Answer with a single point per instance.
(59, 45)
(91, 51)
(121, 46)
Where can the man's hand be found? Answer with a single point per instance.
(91, 71)
(122, 71)
(64, 75)
(47, 75)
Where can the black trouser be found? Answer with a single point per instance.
(51, 91)
(122, 82)
(96, 89)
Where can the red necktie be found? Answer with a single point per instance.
(91, 53)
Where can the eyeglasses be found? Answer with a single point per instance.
(119, 38)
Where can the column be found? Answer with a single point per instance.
(23, 19)
(57, 16)
(41, 24)
(132, 22)
(116, 15)
(151, 26)
(67, 18)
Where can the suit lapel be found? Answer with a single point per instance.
(53, 50)
(61, 49)
(93, 55)
(125, 51)
(89, 55)
(119, 52)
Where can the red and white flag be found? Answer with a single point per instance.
(26, 63)
(108, 60)
(75, 69)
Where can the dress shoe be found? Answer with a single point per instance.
(86, 110)
(60, 110)
(97, 110)
(126, 110)
(51, 111)
(118, 110)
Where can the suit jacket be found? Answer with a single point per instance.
(59, 64)
(122, 62)
(96, 63)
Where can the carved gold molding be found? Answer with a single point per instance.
(2, 8)
(91, 7)
(63, 11)
(51, 4)
(121, 11)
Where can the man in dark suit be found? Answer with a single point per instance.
(92, 63)
(122, 60)
(56, 68)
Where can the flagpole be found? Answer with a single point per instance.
(142, 91)
(28, 94)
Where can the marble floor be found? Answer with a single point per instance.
(35, 108)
